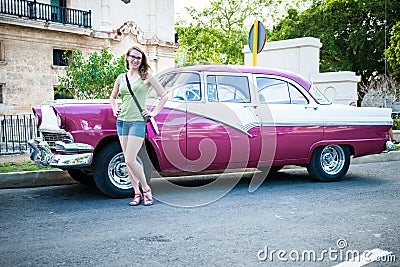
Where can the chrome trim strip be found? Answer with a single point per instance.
(342, 123)
(71, 161)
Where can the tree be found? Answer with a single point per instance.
(217, 34)
(352, 33)
(92, 77)
(379, 90)
(393, 51)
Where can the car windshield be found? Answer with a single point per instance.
(318, 96)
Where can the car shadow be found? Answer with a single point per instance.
(283, 180)
(295, 176)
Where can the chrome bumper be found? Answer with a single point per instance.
(67, 155)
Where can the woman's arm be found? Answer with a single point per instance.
(152, 80)
(114, 95)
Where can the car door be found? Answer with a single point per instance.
(222, 128)
(289, 114)
(182, 88)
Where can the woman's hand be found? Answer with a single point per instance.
(116, 112)
(148, 113)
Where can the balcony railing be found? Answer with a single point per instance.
(40, 11)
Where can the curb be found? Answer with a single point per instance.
(59, 177)
(34, 178)
(382, 157)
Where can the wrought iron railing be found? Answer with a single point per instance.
(40, 11)
(15, 131)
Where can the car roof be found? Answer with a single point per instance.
(248, 69)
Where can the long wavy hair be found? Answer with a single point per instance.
(144, 68)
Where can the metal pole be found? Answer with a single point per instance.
(255, 43)
(385, 76)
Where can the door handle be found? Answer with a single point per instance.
(255, 107)
(311, 107)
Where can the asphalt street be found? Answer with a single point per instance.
(288, 217)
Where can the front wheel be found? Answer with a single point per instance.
(110, 171)
(329, 163)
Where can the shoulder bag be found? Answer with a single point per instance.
(151, 125)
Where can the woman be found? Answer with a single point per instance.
(131, 125)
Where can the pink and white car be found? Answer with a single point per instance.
(217, 118)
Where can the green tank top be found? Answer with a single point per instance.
(129, 109)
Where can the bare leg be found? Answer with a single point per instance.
(134, 181)
(133, 146)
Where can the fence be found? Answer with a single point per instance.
(40, 11)
(15, 131)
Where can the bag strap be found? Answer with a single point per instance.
(134, 97)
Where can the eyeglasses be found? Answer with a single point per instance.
(135, 57)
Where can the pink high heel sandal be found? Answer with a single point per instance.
(136, 200)
(147, 198)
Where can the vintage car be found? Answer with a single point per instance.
(216, 118)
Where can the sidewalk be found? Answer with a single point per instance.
(59, 177)
(31, 178)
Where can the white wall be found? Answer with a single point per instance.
(155, 18)
(338, 87)
(149, 23)
(301, 56)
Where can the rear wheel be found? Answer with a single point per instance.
(110, 171)
(329, 163)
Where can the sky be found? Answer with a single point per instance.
(179, 6)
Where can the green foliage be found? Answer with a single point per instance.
(92, 77)
(352, 32)
(393, 52)
(218, 34)
(209, 46)
(20, 166)
(396, 124)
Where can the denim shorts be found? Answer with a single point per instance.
(135, 128)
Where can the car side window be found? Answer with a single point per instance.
(275, 91)
(228, 88)
(296, 97)
(182, 85)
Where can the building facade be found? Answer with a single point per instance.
(34, 35)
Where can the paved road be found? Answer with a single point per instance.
(75, 225)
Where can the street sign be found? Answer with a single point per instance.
(261, 35)
(257, 38)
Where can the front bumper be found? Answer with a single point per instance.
(66, 155)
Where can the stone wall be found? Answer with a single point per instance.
(27, 74)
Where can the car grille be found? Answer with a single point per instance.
(51, 138)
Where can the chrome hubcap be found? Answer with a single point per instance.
(332, 159)
(118, 172)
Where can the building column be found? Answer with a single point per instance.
(105, 25)
(152, 15)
